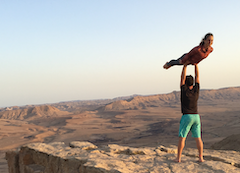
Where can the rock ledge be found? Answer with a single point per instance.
(85, 157)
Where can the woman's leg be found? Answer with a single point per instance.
(174, 62)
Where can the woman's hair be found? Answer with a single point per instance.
(204, 38)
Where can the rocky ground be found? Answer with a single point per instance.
(85, 157)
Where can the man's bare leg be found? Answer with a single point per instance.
(181, 144)
(200, 148)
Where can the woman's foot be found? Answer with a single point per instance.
(166, 66)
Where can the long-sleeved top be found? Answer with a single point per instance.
(196, 55)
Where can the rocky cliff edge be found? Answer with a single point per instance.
(85, 157)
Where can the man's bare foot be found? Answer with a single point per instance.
(166, 66)
(177, 160)
(201, 160)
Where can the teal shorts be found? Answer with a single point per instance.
(190, 122)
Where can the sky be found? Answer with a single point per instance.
(58, 50)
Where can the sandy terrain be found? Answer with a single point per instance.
(142, 126)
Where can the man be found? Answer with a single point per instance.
(190, 119)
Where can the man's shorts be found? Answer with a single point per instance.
(190, 122)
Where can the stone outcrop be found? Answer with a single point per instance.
(85, 157)
(229, 143)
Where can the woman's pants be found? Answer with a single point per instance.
(176, 62)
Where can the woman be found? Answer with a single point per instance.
(196, 55)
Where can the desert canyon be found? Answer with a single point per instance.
(128, 122)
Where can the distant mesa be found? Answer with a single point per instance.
(230, 93)
(143, 102)
(32, 113)
(134, 102)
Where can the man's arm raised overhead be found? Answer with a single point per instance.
(183, 76)
(197, 80)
